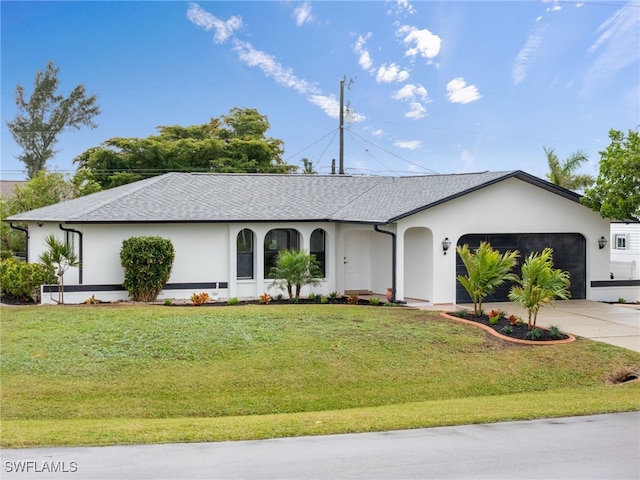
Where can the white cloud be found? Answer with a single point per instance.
(416, 112)
(302, 14)
(271, 67)
(364, 59)
(459, 92)
(223, 29)
(556, 7)
(425, 43)
(527, 54)
(403, 6)
(391, 73)
(616, 46)
(411, 91)
(378, 133)
(409, 145)
(331, 106)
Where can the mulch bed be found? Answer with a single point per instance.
(518, 331)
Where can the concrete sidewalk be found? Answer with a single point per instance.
(614, 324)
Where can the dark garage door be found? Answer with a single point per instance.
(569, 253)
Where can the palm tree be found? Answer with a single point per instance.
(562, 173)
(487, 269)
(60, 257)
(295, 269)
(540, 284)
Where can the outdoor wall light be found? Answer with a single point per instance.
(602, 242)
(446, 243)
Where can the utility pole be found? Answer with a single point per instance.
(342, 82)
(341, 168)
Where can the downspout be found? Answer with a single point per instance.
(26, 239)
(393, 263)
(79, 250)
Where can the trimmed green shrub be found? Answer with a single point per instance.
(507, 329)
(23, 280)
(147, 263)
(534, 334)
(554, 332)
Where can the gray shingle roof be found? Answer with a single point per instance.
(191, 197)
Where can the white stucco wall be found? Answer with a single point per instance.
(204, 253)
(510, 206)
(207, 252)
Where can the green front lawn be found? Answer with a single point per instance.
(80, 375)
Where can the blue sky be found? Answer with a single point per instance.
(442, 87)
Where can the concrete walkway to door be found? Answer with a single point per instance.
(614, 324)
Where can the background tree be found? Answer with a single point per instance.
(45, 188)
(46, 114)
(235, 142)
(616, 193)
(307, 167)
(563, 173)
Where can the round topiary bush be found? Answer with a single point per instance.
(147, 263)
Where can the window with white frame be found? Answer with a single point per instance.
(244, 254)
(620, 241)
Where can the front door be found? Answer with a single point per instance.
(357, 269)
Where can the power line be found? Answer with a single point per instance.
(397, 156)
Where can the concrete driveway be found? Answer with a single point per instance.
(614, 324)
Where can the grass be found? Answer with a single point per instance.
(98, 375)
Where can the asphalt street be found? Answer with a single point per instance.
(590, 447)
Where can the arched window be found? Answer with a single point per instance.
(317, 248)
(276, 240)
(244, 253)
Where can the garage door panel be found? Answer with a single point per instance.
(569, 253)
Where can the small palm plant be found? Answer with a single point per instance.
(293, 270)
(60, 257)
(540, 284)
(487, 269)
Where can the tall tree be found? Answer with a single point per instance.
(616, 193)
(46, 114)
(235, 142)
(563, 173)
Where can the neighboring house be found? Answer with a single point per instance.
(625, 251)
(369, 233)
(8, 186)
